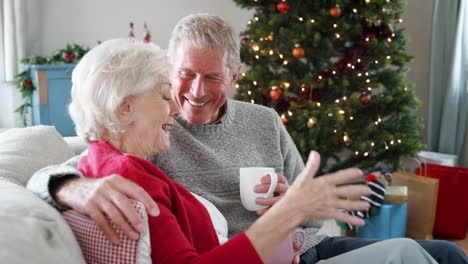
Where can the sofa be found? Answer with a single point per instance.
(32, 231)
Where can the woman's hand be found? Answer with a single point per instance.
(325, 197)
(308, 199)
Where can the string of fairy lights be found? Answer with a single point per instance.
(262, 47)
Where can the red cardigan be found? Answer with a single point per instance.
(183, 232)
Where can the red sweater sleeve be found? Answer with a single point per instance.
(170, 245)
(183, 232)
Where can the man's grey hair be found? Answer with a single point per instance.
(105, 76)
(207, 31)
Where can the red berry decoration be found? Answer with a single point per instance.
(298, 52)
(283, 7)
(335, 12)
(365, 98)
(27, 83)
(275, 93)
(69, 57)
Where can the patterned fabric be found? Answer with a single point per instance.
(98, 249)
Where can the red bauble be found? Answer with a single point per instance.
(298, 52)
(283, 7)
(27, 83)
(275, 93)
(335, 12)
(365, 98)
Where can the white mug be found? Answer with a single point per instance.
(251, 176)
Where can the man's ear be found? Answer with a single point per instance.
(231, 90)
(235, 75)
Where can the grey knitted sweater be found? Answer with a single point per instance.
(206, 160)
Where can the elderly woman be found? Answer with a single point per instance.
(122, 107)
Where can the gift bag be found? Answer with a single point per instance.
(422, 202)
(452, 205)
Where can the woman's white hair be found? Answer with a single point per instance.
(207, 31)
(105, 76)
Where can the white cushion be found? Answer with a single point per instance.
(76, 144)
(31, 231)
(217, 218)
(23, 151)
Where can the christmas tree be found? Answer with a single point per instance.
(334, 70)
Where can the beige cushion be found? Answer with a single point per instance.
(31, 231)
(76, 144)
(23, 151)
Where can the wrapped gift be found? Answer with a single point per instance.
(396, 195)
(389, 223)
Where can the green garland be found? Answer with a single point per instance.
(71, 54)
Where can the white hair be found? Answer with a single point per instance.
(207, 31)
(105, 76)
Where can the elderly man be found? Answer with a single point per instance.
(213, 138)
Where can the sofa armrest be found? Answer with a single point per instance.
(31, 231)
